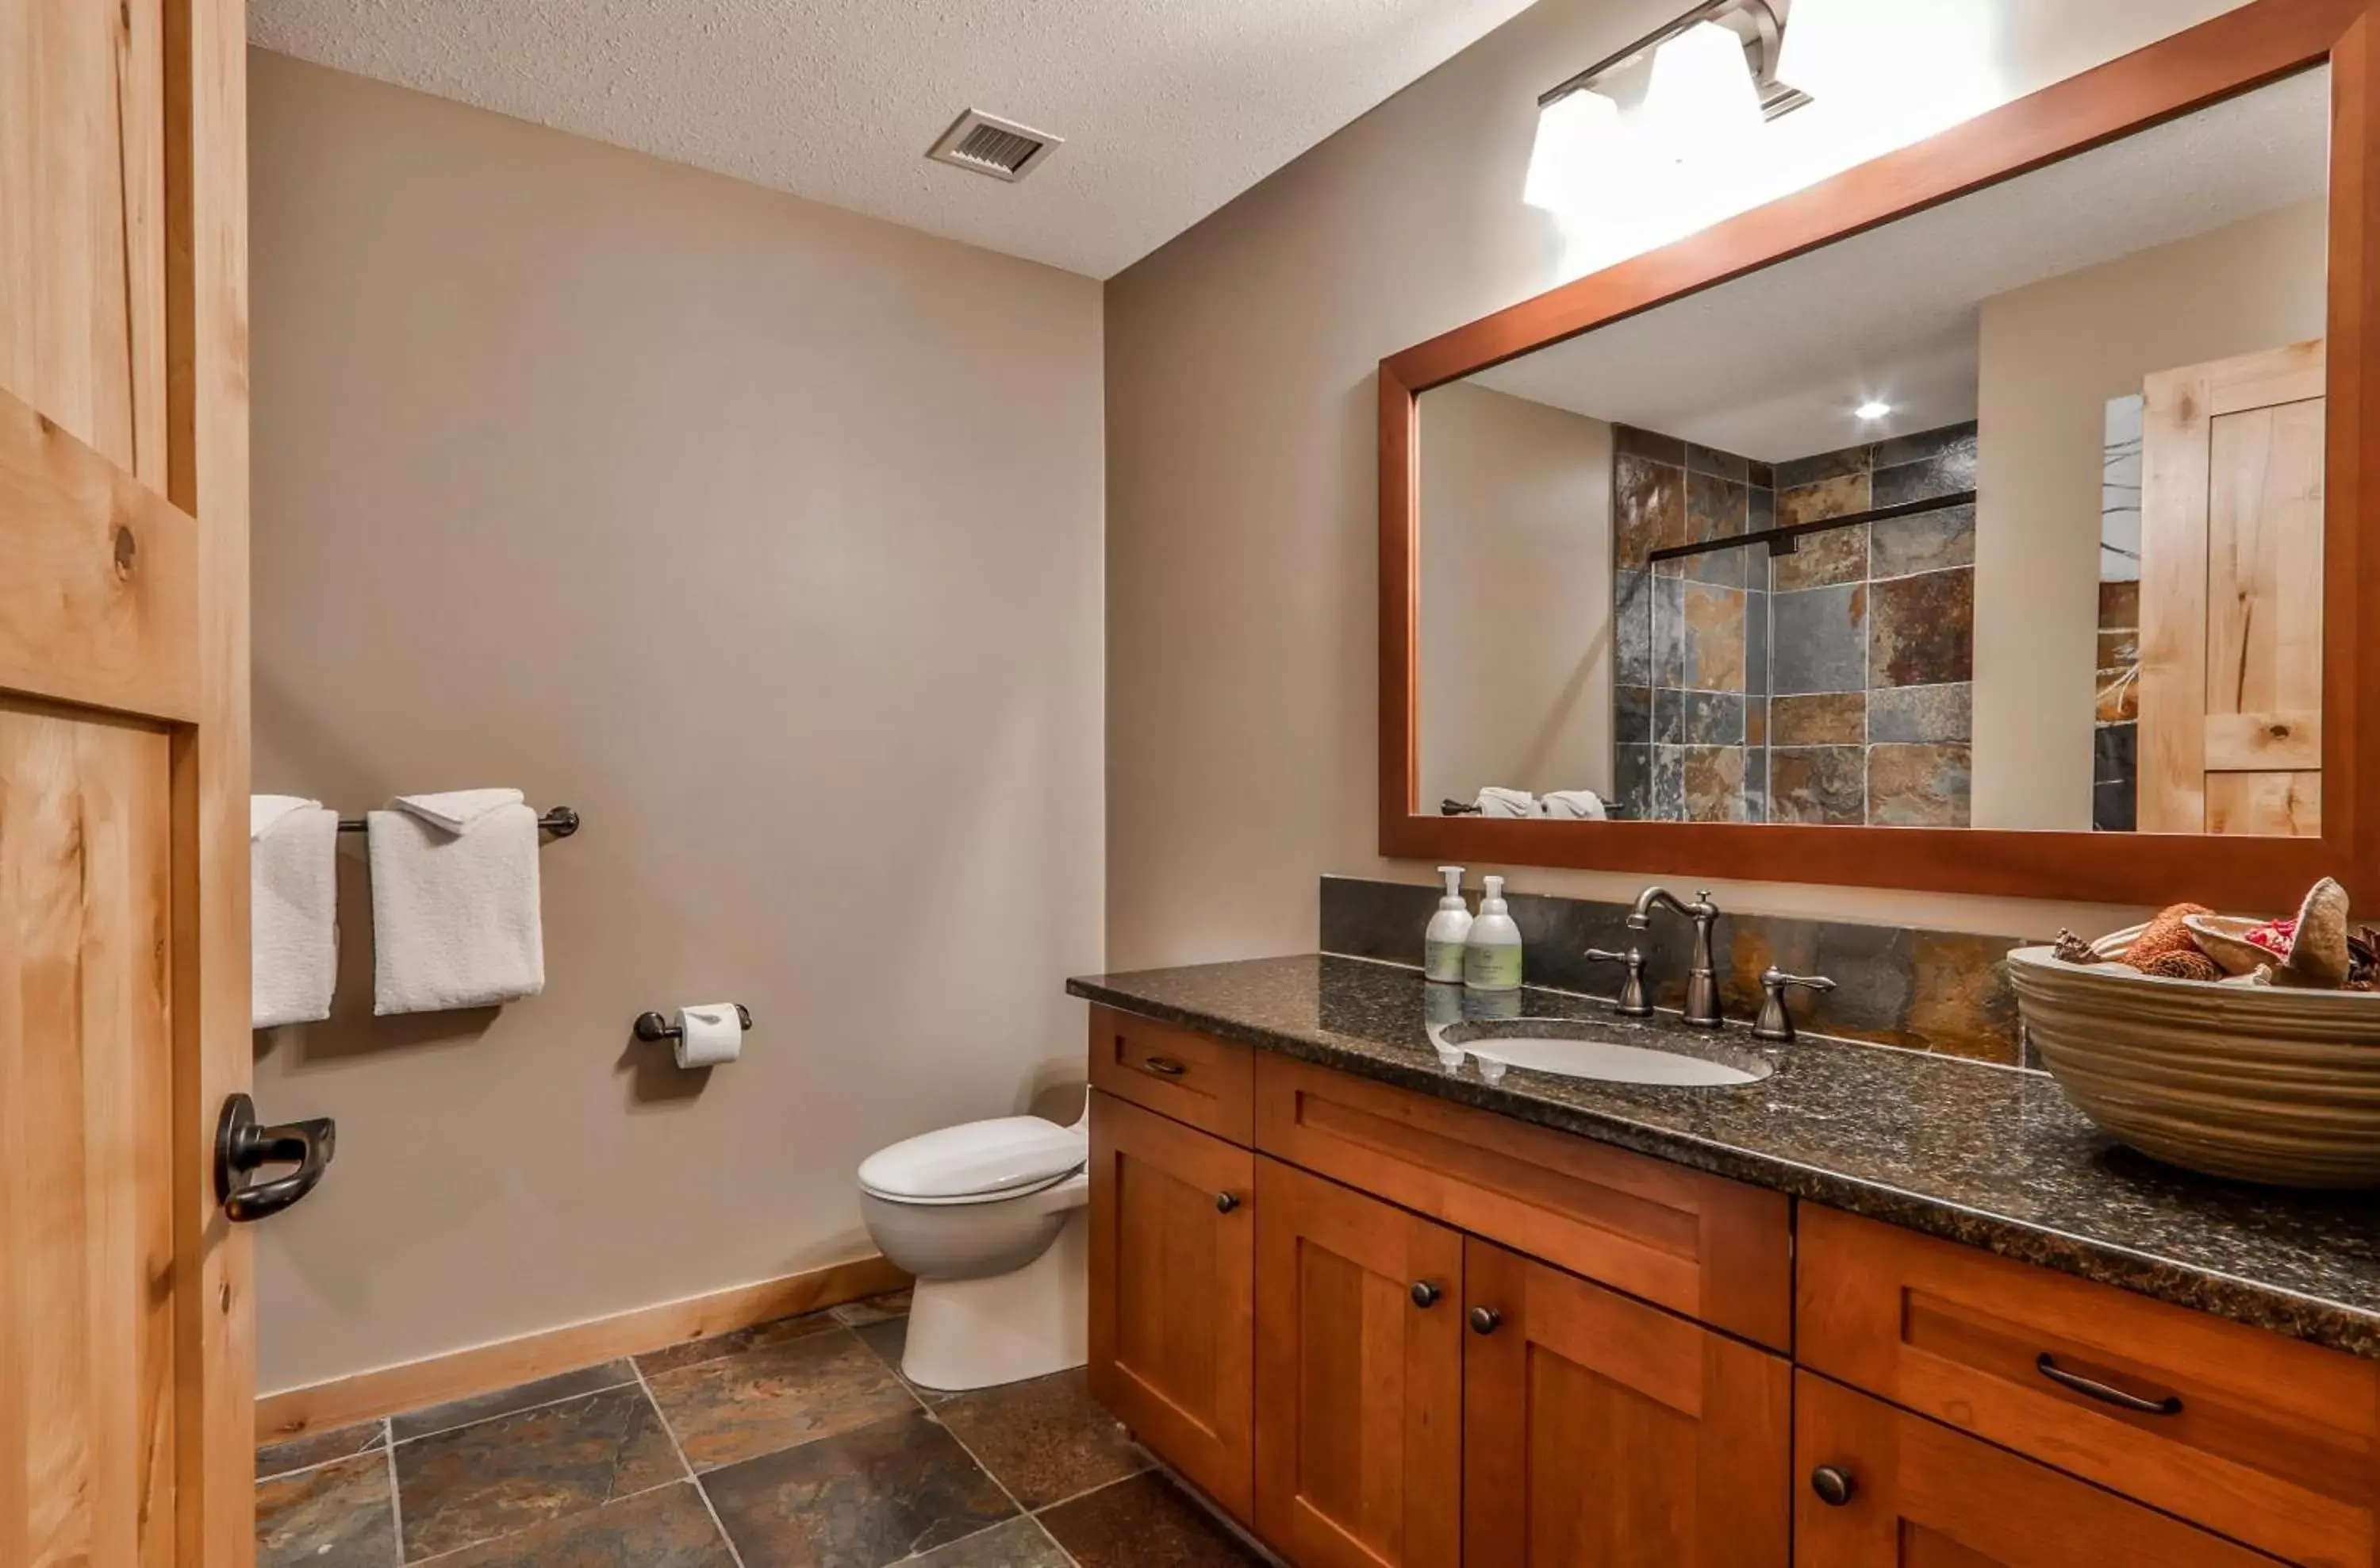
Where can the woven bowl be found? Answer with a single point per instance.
(2253, 1082)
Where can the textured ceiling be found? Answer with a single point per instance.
(1772, 364)
(1168, 109)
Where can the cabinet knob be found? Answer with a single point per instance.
(1833, 1485)
(1425, 1294)
(1483, 1319)
(1226, 1201)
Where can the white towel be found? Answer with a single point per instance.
(293, 909)
(1496, 802)
(1574, 805)
(455, 914)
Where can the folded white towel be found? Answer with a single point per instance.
(1574, 805)
(457, 809)
(456, 914)
(1496, 802)
(293, 909)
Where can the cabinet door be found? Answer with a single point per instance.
(1883, 1489)
(1359, 1386)
(1597, 1429)
(1173, 1292)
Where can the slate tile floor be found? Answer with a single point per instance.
(795, 1445)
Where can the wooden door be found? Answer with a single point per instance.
(126, 1377)
(1359, 1378)
(1173, 1294)
(1597, 1429)
(1883, 1488)
(2232, 623)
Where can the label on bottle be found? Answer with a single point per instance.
(1442, 960)
(1492, 968)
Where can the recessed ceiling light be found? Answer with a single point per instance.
(1872, 410)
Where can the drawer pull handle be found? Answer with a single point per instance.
(1425, 1294)
(1484, 1319)
(1164, 1066)
(2046, 1365)
(1225, 1202)
(1833, 1485)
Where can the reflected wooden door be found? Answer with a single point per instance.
(1883, 1488)
(1173, 1292)
(126, 1437)
(1359, 1378)
(2231, 622)
(1597, 1429)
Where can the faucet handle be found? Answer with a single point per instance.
(1631, 1003)
(1776, 1023)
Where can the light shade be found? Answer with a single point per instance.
(1703, 100)
(1578, 146)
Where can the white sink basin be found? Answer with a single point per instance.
(1587, 1050)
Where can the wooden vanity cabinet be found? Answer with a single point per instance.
(1172, 1263)
(1597, 1429)
(1359, 1378)
(1885, 1489)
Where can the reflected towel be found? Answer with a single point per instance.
(1574, 805)
(1496, 802)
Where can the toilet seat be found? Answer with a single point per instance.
(988, 1162)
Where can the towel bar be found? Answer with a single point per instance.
(562, 821)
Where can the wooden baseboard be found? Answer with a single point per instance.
(390, 1391)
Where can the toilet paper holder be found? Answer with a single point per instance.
(652, 1026)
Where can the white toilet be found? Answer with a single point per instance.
(991, 1218)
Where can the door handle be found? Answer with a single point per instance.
(243, 1145)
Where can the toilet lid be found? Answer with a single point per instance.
(974, 1160)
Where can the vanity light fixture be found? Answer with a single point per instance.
(1697, 99)
(1871, 410)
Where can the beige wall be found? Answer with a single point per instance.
(1242, 478)
(769, 537)
(1516, 595)
(2051, 357)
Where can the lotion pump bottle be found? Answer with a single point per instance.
(1491, 954)
(1442, 944)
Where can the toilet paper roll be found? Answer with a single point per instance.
(710, 1033)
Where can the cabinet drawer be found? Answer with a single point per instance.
(1905, 1493)
(1695, 1243)
(2263, 1438)
(1174, 1072)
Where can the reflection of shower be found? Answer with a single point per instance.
(1805, 653)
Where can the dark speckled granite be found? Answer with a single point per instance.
(1984, 1155)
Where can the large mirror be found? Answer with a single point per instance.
(2005, 514)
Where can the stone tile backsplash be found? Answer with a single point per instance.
(1940, 992)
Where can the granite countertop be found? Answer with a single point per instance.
(1988, 1156)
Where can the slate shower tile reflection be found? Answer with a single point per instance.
(1922, 541)
(1922, 629)
(1631, 715)
(1921, 713)
(1820, 639)
(1834, 718)
(1818, 783)
(1711, 783)
(1632, 633)
(1712, 654)
(1818, 559)
(1918, 786)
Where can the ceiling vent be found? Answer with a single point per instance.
(989, 145)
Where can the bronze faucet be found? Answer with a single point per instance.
(1701, 979)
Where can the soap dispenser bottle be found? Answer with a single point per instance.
(1491, 954)
(1442, 944)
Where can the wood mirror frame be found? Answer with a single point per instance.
(2257, 43)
